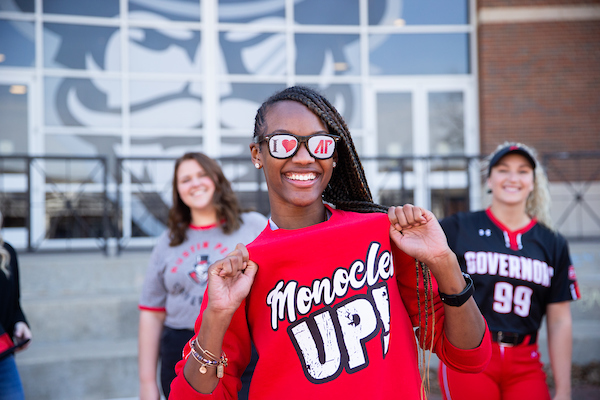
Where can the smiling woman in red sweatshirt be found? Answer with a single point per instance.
(330, 291)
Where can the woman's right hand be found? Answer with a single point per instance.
(230, 280)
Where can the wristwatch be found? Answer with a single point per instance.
(457, 300)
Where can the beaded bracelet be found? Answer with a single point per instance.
(220, 364)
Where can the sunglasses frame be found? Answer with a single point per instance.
(300, 140)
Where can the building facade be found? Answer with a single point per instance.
(414, 79)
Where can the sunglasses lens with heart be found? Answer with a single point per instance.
(321, 146)
(282, 146)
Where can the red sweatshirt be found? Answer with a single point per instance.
(331, 313)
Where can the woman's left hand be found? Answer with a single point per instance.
(417, 232)
(22, 333)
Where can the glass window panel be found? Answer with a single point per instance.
(394, 124)
(446, 123)
(14, 115)
(179, 10)
(240, 101)
(17, 46)
(446, 202)
(104, 8)
(346, 99)
(164, 50)
(330, 12)
(17, 5)
(242, 174)
(165, 104)
(325, 54)
(253, 53)
(252, 11)
(13, 193)
(418, 12)
(397, 196)
(90, 145)
(82, 102)
(164, 146)
(419, 54)
(82, 47)
(238, 147)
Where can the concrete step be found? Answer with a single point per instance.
(85, 370)
(53, 274)
(74, 318)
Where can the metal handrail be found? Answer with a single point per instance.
(576, 171)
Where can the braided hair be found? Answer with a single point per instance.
(347, 189)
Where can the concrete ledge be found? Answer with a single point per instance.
(80, 318)
(85, 370)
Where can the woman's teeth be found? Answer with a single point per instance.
(302, 177)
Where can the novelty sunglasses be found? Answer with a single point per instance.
(285, 145)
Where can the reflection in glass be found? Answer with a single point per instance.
(104, 8)
(82, 145)
(330, 12)
(244, 177)
(252, 11)
(151, 179)
(240, 101)
(163, 146)
(17, 48)
(346, 99)
(164, 50)
(446, 202)
(419, 54)
(82, 47)
(395, 196)
(17, 6)
(324, 54)
(174, 10)
(252, 53)
(13, 193)
(82, 102)
(13, 114)
(419, 12)
(394, 124)
(446, 123)
(167, 104)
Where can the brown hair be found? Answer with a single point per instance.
(224, 200)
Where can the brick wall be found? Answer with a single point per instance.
(529, 3)
(539, 83)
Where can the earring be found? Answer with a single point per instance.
(334, 164)
(257, 165)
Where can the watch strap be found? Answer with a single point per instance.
(457, 300)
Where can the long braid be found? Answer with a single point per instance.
(348, 188)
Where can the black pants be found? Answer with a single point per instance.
(171, 347)
(172, 342)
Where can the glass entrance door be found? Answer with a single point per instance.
(15, 100)
(426, 130)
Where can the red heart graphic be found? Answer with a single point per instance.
(288, 144)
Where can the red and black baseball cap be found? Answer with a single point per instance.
(509, 150)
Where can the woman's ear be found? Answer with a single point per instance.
(256, 155)
(489, 187)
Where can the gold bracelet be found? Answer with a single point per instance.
(220, 364)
